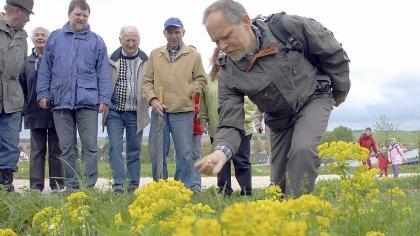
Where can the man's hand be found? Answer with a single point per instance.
(203, 126)
(157, 106)
(43, 103)
(212, 163)
(102, 107)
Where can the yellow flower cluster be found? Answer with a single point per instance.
(165, 203)
(7, 232)
(170, 223)
(78, 207)
(193, 226)
(343, 151)
(396, 191)
(375, 233)
(271, 217)
(273, 191)
(48, 221)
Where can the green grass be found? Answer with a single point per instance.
(146, 170)
(17, 210)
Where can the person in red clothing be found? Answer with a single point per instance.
(366, 140)
(195, 174)
(383, 161)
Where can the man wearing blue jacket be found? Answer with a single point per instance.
(74, 79)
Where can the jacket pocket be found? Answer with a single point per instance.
(57, 93)
(277, 121)
(269, 99)
(87, 92)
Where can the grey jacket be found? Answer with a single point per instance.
(143, 118)
(12, 55)
(279, 83)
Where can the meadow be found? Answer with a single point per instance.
(359, 203)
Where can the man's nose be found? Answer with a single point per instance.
(223, 45)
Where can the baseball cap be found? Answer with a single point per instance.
(173, 22)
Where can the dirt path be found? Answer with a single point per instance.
(105, 184)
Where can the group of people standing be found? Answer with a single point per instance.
(293, 81)
(68, 79)
(392, 155)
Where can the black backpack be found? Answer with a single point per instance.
(289, 40)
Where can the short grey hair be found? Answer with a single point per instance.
(129, 28)
(39, 28)
(232, 10)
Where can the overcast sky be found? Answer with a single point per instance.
(382, 39)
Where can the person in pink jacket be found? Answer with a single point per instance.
(396, 155)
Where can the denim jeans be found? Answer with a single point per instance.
(180, 126)
(10, 124)
(195, 174)
(67, 124)
(116, 123)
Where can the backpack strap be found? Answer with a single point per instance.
(289, 40)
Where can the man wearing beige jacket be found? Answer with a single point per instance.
(177, 69)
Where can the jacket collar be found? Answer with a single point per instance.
(21, 33)
(82, 34)
(116, 55)
(266, 41)
(185, 49)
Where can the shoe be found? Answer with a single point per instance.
(118, 191)
(7, 180)
(35, 190)
(57, 190)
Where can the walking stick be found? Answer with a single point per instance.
(161, 126)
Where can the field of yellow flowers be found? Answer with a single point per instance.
(358, 204)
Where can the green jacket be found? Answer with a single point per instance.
(208, 109)
(279, 83)
(12, 55)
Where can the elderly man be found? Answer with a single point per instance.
(128, 110)
(40, 122)
(13, 50)
(177, 69)
(295, 93)
(74, 79)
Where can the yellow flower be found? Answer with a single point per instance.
(48, 220)
(208, 227)
(295, 228)
(273, 191)
(323, 221)
(7, 232)
(396, 191)
(375, 233)
(118, 219)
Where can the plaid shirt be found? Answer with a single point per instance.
(174, 52)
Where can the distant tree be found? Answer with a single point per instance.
(383, 130)
(340, 133)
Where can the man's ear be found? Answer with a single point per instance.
(246, 20)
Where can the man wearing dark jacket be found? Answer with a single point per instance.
(13, 50)
(295, 95)
(39, 121)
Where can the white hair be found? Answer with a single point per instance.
(39, 28)
(129, 28)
